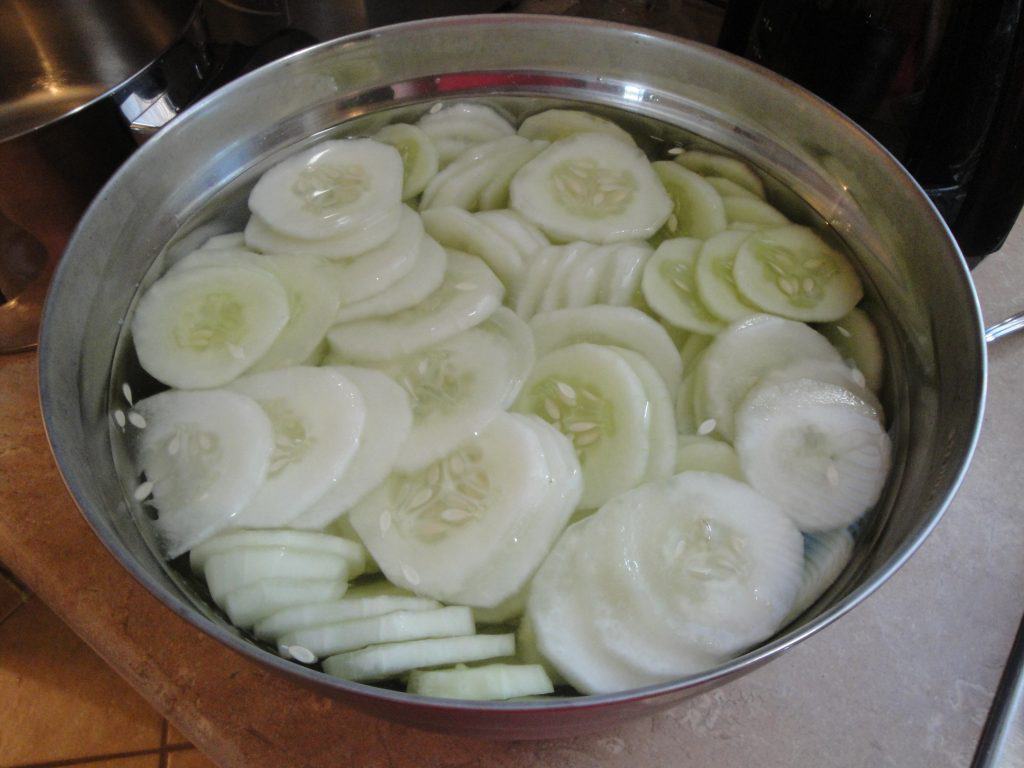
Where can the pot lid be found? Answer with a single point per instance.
(59, 55)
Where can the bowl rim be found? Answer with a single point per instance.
(354, 691)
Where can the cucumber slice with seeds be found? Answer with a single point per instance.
(385, 661)
(419, 156)
(716, 284)
(856, 338)
(493, 682)
(254, 602)
(709, 164)
(456, 128)
(556, 124)
(669, 286)
(697, 209)
(748, 210)
(299, 616)
(696, 453)
(593, 187)
(792, 272)
(203, 327)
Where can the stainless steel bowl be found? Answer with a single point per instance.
(190, 181)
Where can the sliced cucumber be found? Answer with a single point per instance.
(423, 279)
(203, 327)
(527, 651)
(716, 285)
(379, 269)
(748, 210)
(396, 627)
(661, 464)
(462, 184)
(493, 682)
(230, 241)
(792, 272)
(455, 228)
(304, 541)
(318, 417)
(437, 531)
(696, 453)
(620, 281)
(526, 237)
(385, 661)
(815, 448)
(388, 424)
(227, 571)
(697, 208)
(829, 372)
(508, 610)
(317, 613)
(825, 557)
(329, 190)
(556, 124)
(419, 156)
(856, 338)
(457, 387)
(709, 164)
(206, 454)
(456, 128)
(744, 353)
(690, 352)
(256, 601)
(618, 326)
(556, 293)
(582, 285)
(494, 196)
(669, 285)
(729, 188)
(469, 295)
(686, 418)
(591, 187)
(540, 271)
(259, 236)
(593, 396)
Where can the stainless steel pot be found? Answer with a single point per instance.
(190, 181)
(82, 83)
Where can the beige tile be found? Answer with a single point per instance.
(11, 597)
(189, 758)
(58, 698)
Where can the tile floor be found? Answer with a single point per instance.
(60, 705)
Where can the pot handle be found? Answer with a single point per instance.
(1006, 327)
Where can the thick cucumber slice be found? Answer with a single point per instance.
(815, 448)
(494, 196)
(304, 541)
(690, 352)
(457, 387)
(469, 295)
(593, 396)
(747, 210)
(508, 610)
(510, 225)
(381, 268)
(745, 352)
(318, 417)
(716, 285)
(387, 427)
(227, 571)
(202, 327)
(419, 156)
(259, 236)
(455, 228)
(661, 464)
(330, 190)
(527, 651)
(669, 286)
(617, 326)
(229, 241)
(708, 164)
(556, 124)
(729, 188)
(456, 128)
(437, 530)
(397, 627)
(493, 682)
(206, 454)
(591, 187)
(621, 278)
(696, 453)
(298, 616)
(856, 338)
(384, 661)
(312, 303)
(791, 272)
(697, 208)
(463, 183)
(425, 277)
(254, 602)
(825, 557)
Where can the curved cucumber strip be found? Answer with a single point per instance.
(227, 571)
(697, 208)
(456, 128)
(716, 285)
(670, 287)
(556, 124)
(856, 338)
(419, 156)
(304, 541)
(318, 613)
(620, 281)
(384, 661)
(462, 231)
(493, 682)
(526, 238)
(463, 181)
(663, 423)
(249, 604)
(791, 272)
(710, 164)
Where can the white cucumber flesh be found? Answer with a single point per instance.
(526, 237)
(710, 164)
(203, 327)
(463, 183)
(227, 571)
(556, 293)
(591, 187)
(716, 285)
(697, 208)
(622, 276)
(556, 124)
(691, 350)
(508, 610)
(420, 161)
(261, 237)
(381, 662)
(317, 613)
(686, 418)
(696, 453)
(494, 196)
(857, 339)
(456, 128)
(256, 601)
(825, 557)
(729, 188)
(748, 210)
(206, 455)
(527, 651)
(661, 463)
(790, 271)
(492, 682)
(462, 231)
(670, 286)
(828, 372)
(305, 541)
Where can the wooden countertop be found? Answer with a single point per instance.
(905, 680)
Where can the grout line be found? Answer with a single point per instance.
(72, 761)
(163, 743)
